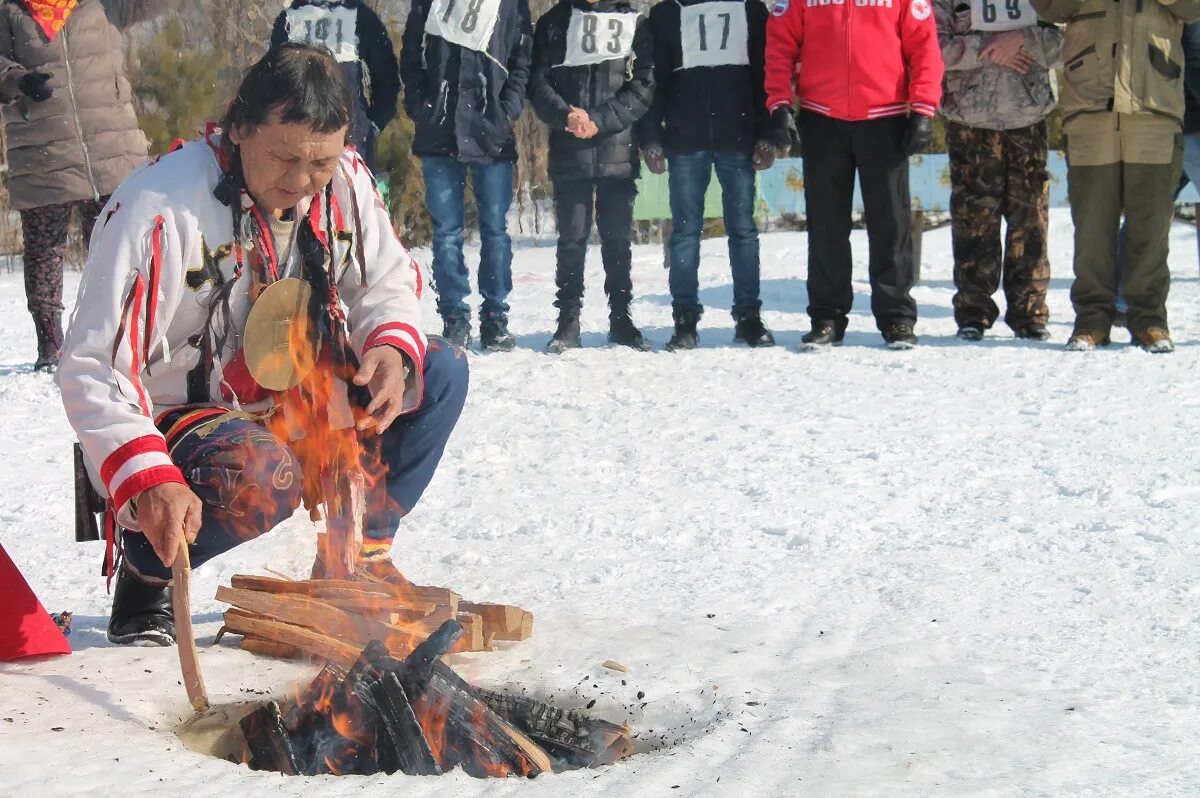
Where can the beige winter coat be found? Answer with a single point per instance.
(83, 141)
(1124, 56)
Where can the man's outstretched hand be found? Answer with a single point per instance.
(167, 513)
(384, 371)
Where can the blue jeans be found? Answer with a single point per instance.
(445, 186)
(249, 481)
(689, 176)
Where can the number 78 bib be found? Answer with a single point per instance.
(594, 37)
(467, 23)
(1001, 15)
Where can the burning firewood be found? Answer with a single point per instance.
(384, 714)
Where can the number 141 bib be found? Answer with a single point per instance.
(1001, 15)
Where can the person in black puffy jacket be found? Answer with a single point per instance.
(359, 41)
(710, 110)
(593, 78)
(465, 66)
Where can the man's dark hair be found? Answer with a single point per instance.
(305, 85)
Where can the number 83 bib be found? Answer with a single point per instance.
(713, 34)
(594, 37)
(467, 23)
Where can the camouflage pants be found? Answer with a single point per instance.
(994, 175)
(45, 233)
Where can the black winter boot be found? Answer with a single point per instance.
(567, 335)
(900, 335)
(623, 332)
(457, 332)
(141, 613)
(685, 336)
(749, 329)
(494, 335)
(49, 340)
(824, 333)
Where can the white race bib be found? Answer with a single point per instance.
(714, 34)
(593, 38)
(468, 23)
(335, 28)
(1001, 15)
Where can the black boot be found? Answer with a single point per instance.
(823, 333)
(567, 335)
(900, 335)
(49, 340)
(494, 335)
(141, 613)
(685, 336)
(457, 332)
(623, 332)
(749, 329)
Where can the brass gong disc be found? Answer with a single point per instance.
(281, 338)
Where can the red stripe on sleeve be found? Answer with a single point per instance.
(126, 452)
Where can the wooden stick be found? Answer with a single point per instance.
(500, 621)
(323, 618)
(315, 643)
(409, 594)
(189, 661)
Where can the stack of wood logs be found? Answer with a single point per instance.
(334, 620)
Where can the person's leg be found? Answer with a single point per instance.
(45, 234)
(1191, 162)
(735, 171)
(1027, 213)
(445, 183)
(688, 176)
(89, 211)
(887, 210)
(247, 479)
(1094, 191)
(413, 446)
(573, 212)
(976, 188)
(1152, 152)
(614, 223)
(828, 198)
(493, 184)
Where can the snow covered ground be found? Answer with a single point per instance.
(961, 570)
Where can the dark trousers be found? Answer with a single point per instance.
(834, 151)
(249, 481)
(45, 233)
(999, 175)
(613, 201)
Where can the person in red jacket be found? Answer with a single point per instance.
(868, 79)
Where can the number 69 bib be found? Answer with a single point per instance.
(713, 34)
(1002, 15)
(467, 23)
(593, 38)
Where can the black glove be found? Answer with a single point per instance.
(33, 85)
(919, 133)
(783, 133)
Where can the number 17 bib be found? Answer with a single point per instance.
(714, 34)
(593, 37)
(1002, 15)
(467, 23)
